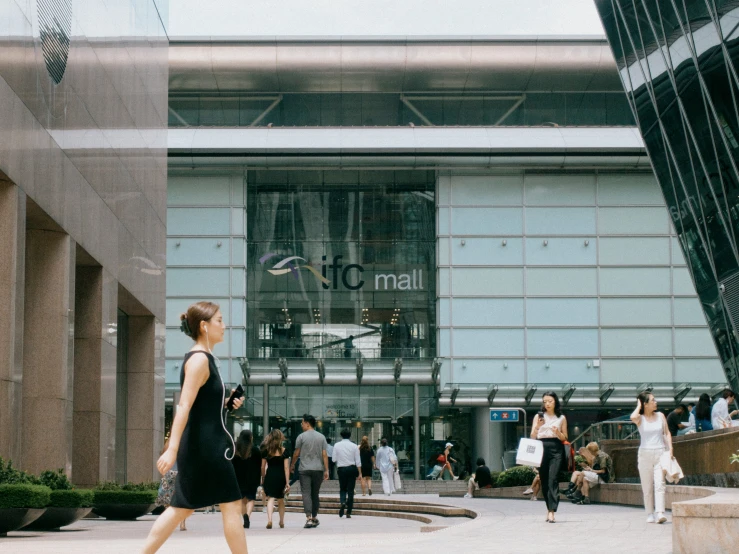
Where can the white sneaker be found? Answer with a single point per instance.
(528, 491)
(650, 518)
(456, 477)
(468, 495)
(661, 517)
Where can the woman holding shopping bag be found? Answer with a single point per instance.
(655, 440)
(550, 427)
(387, 463)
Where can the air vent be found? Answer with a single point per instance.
(55, 28)
(730, 292)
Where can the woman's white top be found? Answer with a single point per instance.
(652, 433)
(720, 414)
(546, 431)
(384, 458)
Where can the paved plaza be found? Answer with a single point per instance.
(502, 526)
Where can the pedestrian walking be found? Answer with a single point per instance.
(275, 475)
(248, 466)
(367, 455)
(550, 427)
(348, 462)
(387, 464)
(330, 454)
(311, 449)
(655, 439)
(199, 442)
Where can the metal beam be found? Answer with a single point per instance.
(265, 412)
(398, 368)
(530, 391)
(271, 107)
(244, 365)
(491, 396)
(321, 370)
(416, 433)
(682, 391)
(567, 392)
(435, 370)
(455, 392)
(415, 110)
(605, 392)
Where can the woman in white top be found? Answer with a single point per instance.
(550, 427)
(720, 416)
(386, 462)
(655, 439)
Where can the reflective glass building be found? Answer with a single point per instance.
(405, 233)
(678, 65)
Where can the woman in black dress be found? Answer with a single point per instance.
(199, 441)
(275, 475)
(248, 466)
(367, 457)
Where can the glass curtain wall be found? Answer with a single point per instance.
(678, 64)
(340, 264)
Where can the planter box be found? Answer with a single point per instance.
(15, 518)
(126, 512)
(54, 518)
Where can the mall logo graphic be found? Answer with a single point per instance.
(341, 274)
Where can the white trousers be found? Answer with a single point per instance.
(388, 482)
(652, 479)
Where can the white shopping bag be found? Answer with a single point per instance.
(396, 478)
(530, 452)
(673, 471)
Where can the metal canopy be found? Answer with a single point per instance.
(505, 64)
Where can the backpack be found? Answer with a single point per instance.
(569, 456)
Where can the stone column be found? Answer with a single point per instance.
(48, 351)
(12, 291)
(145, 426)
(94, 412)
(416, 432)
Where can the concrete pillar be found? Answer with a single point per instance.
(265, 410)
(416, 433)
(94, 412)
(48, 351)
(145, 412)
(12, 292)
(489, 440)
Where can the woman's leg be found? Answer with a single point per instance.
(555, 464)
(232, 527)
(361, 483)
(646, 476)
(270, 508)
(544, 475)
(448, 467)
(281, 510)
(659, 486)
(163, 528)
(249, 507)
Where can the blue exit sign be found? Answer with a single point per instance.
(505, 416)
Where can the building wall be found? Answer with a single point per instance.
(541, 274)
(83, 126)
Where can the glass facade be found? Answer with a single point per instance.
(393, 109)
(340, 264)
(678, 63)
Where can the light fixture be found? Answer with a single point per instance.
(505, 366)
(177, 244)
(546, 365)
(546, 242)
(504, 242)
(587, 242)
(464, 366)
(463, 242)
(219, 244)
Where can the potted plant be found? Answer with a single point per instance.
(127, 502)
(22, 498)
(66, 505)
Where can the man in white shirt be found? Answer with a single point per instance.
(346, 457)
(720, 416)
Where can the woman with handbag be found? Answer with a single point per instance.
(387, 463)
(550, 427)
(655, 440)
(166, 486)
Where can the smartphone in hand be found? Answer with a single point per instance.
(238, 392)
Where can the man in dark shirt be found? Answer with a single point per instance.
(674, 419)
(480, 480)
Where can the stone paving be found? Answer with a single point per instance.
(515, 526)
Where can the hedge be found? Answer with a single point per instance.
(516, 477)
(77, 498)
(124, 497)
(56, 480)
(13, 476)
(24, 496)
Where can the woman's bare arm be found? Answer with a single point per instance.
(196, 374)
(635, 416)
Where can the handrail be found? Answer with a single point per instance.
(600, 425)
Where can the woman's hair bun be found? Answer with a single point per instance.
(185, 326)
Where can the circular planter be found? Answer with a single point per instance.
(15, 518)
(54, 518)
(127, 512)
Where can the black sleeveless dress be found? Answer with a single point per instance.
(274, 478)
(205, 475)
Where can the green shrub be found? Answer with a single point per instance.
(55, 480)
(77, 498)
(145, 486)
(24, 496)
(124, 497)
(107, 486)
(518, 476)
(12, 476)
(495, 475)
